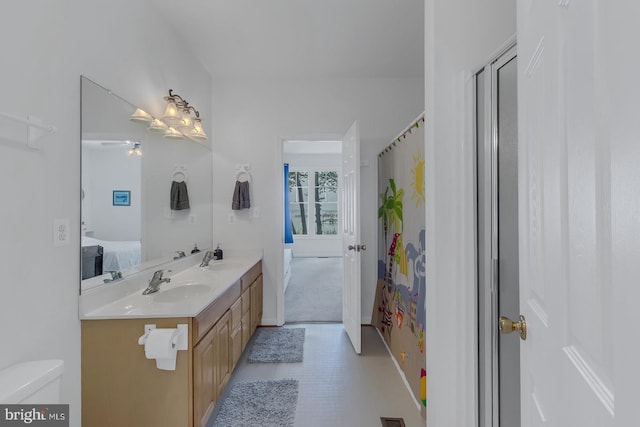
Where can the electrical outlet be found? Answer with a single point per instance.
(255, 212)
(60, 232)
(232, 218)
(192, 219)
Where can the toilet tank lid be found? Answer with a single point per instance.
(19, 381)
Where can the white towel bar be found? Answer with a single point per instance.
(35, 128)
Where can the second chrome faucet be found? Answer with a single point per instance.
(156, 281)
(208, 256)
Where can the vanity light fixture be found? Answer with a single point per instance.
(158, 125)
(177, 121)
(178, 114)
(171, 113)
(135, 149)
(172, 133)
(197, 132)
(140, 116)
(185, 122)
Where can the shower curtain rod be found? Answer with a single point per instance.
(403, 132)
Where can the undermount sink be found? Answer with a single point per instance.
(181, 293)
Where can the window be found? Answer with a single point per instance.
(299, 201)
(314, 204)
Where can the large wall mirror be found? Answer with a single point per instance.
(128, 223)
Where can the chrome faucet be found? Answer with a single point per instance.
(181, 254)
(115, 275)
(208, 256)
(156, 281)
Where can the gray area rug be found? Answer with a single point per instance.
(314, 293)
(275, 345)
(260, 404)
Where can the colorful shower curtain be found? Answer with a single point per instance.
(399, 309)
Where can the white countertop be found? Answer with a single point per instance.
(124, 300)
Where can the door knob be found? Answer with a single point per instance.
(357, 248)
(362, 248)
(507, 326)
(351, 248)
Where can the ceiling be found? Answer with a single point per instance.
(302, 38)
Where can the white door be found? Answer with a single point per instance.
(351, 234)
(579, 204)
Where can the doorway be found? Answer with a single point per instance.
(497, 240)
(313, 264)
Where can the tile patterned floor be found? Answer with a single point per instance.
(337, 387)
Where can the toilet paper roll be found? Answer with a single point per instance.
(160, 345)
(166, 364)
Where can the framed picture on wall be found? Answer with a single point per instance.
(121, 198)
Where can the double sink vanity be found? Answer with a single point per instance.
(221, 304)
(125, 245)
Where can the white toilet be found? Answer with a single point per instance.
(36, 382)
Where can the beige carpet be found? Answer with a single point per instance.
(314, 293)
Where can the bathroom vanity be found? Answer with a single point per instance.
(222, 306)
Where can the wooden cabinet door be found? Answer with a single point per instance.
(236, 345)
(260, 299)
(246, 329)
(224, 357)
(246, 317)
(205, 389)
(236, 332)
(256, 303)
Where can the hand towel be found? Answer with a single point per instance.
(179, 196)
(241, 196)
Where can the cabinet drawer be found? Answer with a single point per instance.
(251, 276)
(210, 315)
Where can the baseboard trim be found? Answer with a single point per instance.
(269, 322)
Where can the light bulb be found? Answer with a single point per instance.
(185, 120)
(140, 116)
(171, 133)
(157, 125)
(171, 113)
(197, 132)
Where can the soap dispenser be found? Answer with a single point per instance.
(217, 253)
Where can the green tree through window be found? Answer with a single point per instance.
(326, 202)
(322, 194)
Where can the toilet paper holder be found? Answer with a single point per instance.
(181, 340)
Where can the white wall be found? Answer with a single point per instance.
(126, 47)
(250, 120)
(116, 171)
(460, 36)
(316, 245)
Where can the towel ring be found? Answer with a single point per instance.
(179, 172)
(241, 172)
